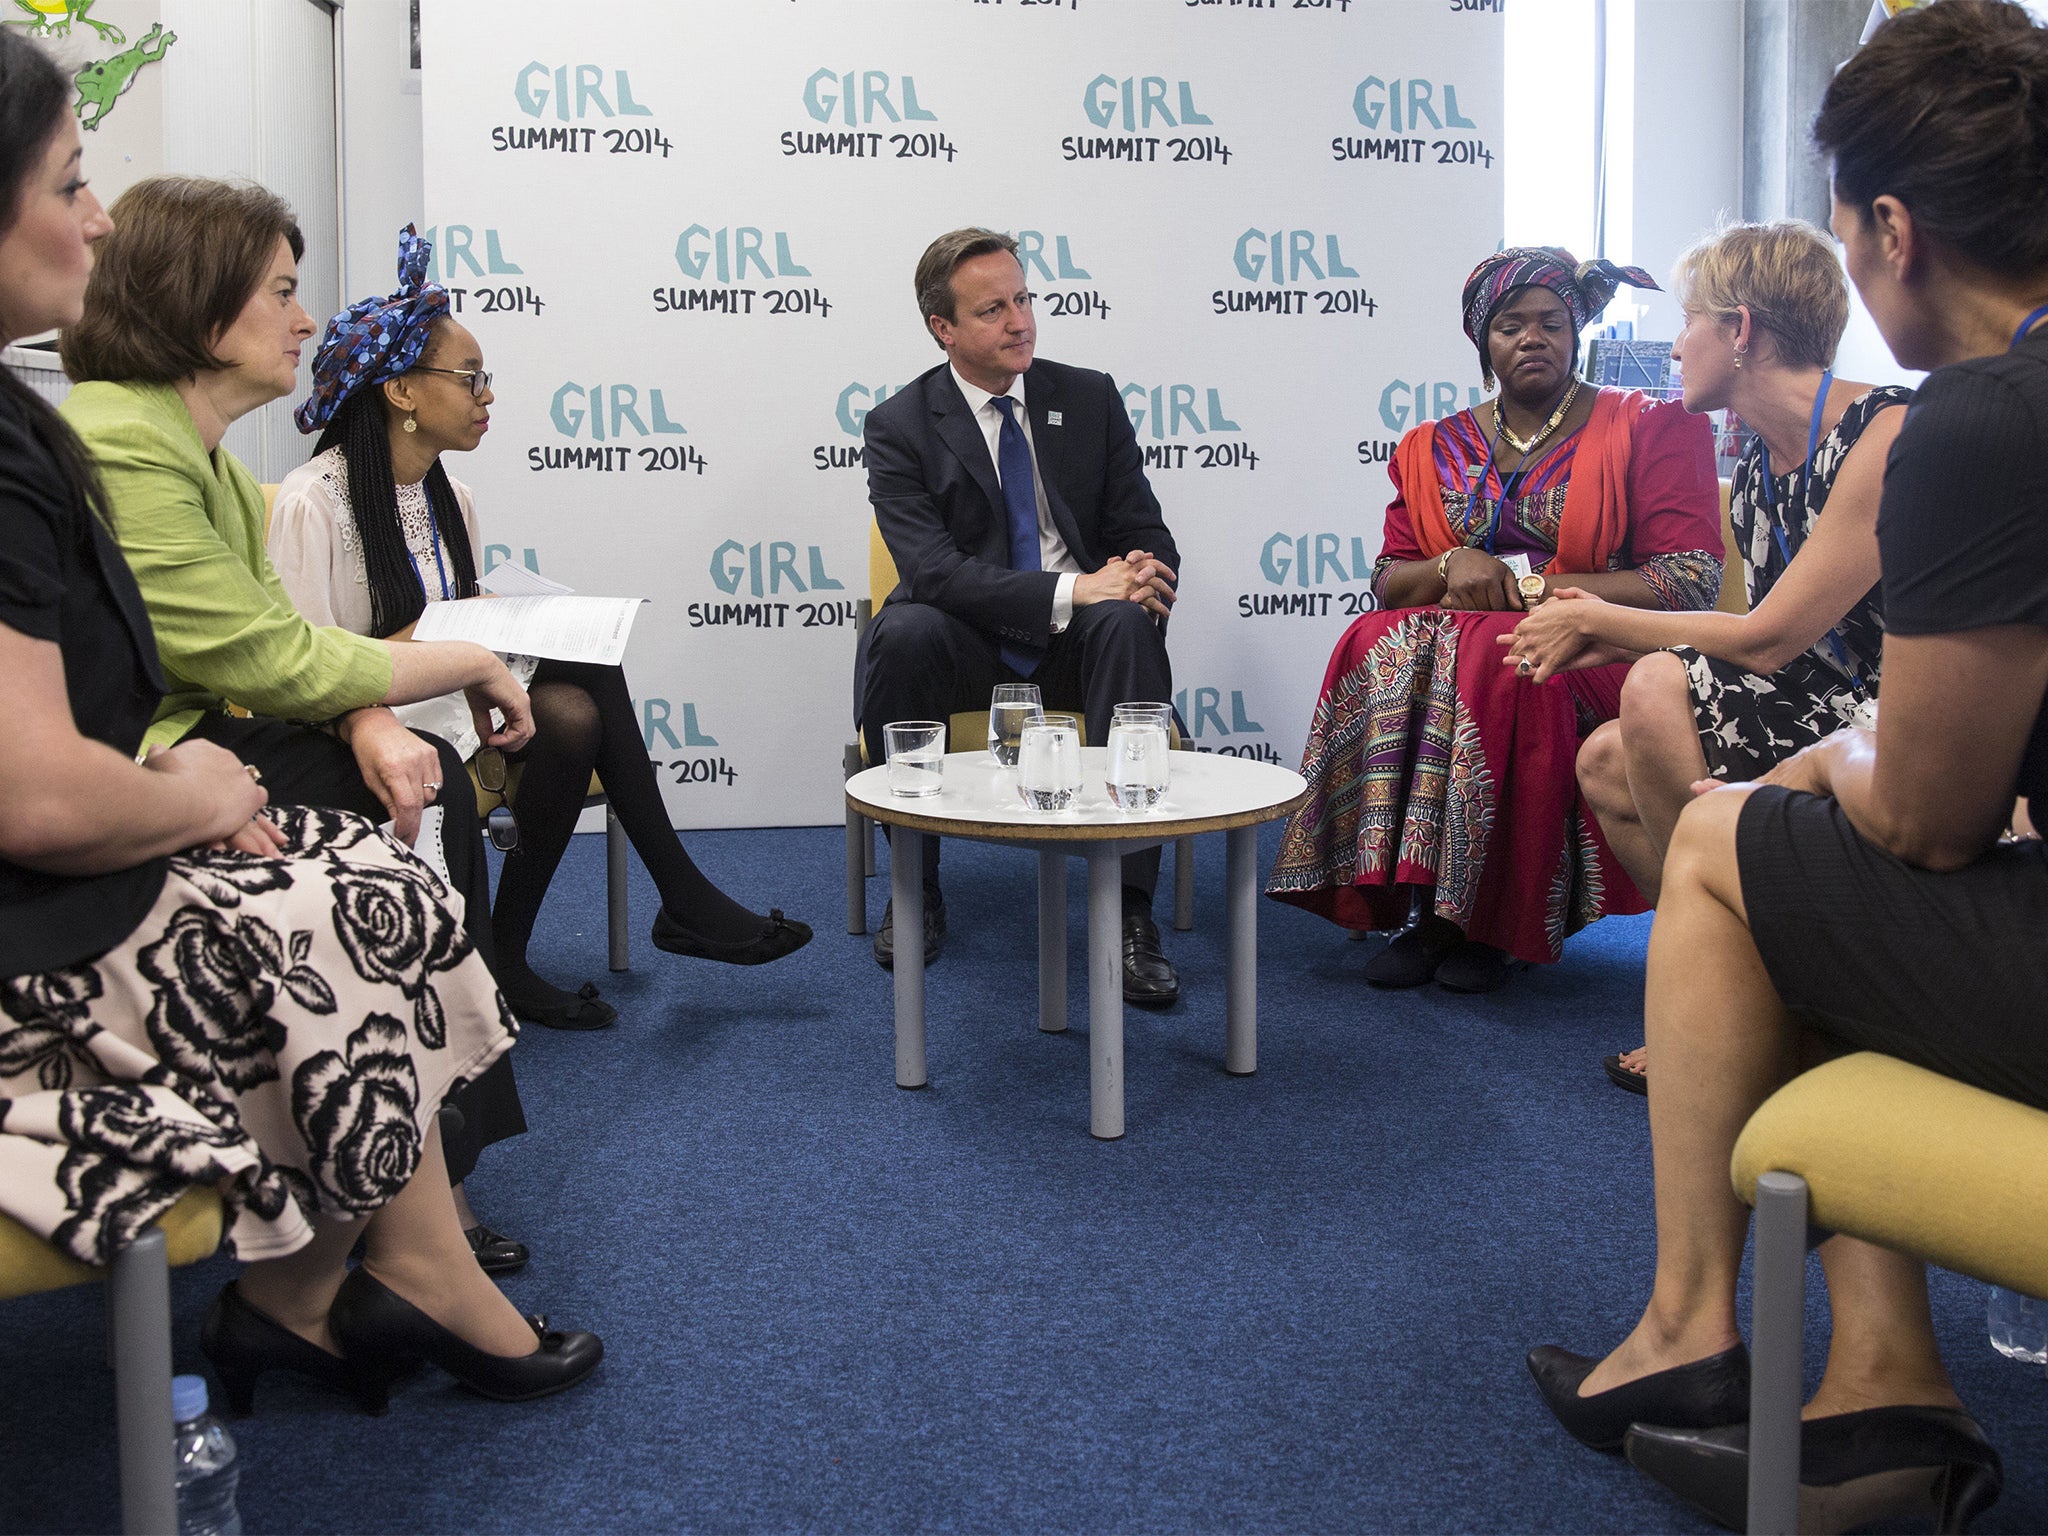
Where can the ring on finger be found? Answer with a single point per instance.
(431, 789)
(255, 773)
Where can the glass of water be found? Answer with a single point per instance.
(917, 757)
(1049, 762)
(1011, 705)
(1139, 735)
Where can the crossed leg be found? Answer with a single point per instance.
(1723, 1042)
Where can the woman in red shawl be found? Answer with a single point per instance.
(1442, 800)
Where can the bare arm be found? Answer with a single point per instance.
(1833, 568)
(70, 805)
(1934, 783)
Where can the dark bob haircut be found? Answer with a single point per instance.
(185, 256)
(1946, 109)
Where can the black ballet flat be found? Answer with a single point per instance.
(383, 1334)
(1622, 1078)
(241, 1344)
(584, 1011)
(1702, 1395)
(1855, 1469)
(782, 936)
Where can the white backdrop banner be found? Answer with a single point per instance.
(684, 232)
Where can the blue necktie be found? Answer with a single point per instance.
(1020, 500)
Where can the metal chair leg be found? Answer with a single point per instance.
(1778, 1330)
(859, 854)
(140, 1288)
(1183, 883)
(617, 920)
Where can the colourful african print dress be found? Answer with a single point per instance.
(1431, 763)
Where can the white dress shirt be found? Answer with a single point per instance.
(1053, 554)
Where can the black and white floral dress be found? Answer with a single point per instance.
(283, 1029)
(1748, 722)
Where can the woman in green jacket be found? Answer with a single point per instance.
(192, 321)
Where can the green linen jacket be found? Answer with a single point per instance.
(191, 525)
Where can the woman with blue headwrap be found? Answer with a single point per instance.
(372, 529)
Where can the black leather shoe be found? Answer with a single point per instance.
(782, 936)
(1149, 977)
(1474, 967)
(382, 1333)
(242, 1343)
(496, 1253)
(1701, 1395)
(1412, 955)
(1855, 1469)
(934, 931)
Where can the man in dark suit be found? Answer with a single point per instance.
(1028, 547)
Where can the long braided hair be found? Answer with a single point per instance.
(397, 595)
(33, 96)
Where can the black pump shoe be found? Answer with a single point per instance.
(496, 1254)
(242, 1343)
(1702, 1395)
(782, 936)
(1855, 1469)
(382, 1334)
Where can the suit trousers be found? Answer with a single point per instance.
(302, 766)
(924, 664)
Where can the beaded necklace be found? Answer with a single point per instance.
(1500, 424)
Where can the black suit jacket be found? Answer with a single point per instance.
(940, 506)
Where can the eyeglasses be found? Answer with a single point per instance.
(479, 380)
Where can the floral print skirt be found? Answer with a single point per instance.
(283, 1029)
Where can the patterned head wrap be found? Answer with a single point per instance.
(1585, 287)
(375, 339)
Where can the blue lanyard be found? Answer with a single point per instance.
(2027, 325)
(1476, 491)
(441, 570)
(1820, 402)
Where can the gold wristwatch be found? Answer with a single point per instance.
(1531, 588)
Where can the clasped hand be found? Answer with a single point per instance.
(1552, 639)
(231, 794)
(1139, 577)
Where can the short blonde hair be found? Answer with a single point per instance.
(1785, 273)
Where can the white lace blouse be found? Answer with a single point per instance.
(318, 555)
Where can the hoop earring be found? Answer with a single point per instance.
(413, 426)
(1740, 354)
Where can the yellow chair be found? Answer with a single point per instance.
(490, 800)
(1734, 590)
(139, 1343)
(966, 731)
(1894, 1154)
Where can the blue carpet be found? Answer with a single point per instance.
(1292, 1302)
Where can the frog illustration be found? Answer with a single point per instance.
(53, 18)
(100, 84)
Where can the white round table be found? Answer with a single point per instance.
(1208, 793)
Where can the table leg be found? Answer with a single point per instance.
(906, 894)
(1052, 940)
(1241, 1009)
(1105, 992)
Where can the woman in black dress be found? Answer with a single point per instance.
(1860, 897)
(1723, 695)
(193, 992)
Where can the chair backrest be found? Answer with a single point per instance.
(1734, 588)
(269, 506)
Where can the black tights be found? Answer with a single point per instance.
(583, 720)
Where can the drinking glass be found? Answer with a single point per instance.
(917, 757)
(1139, 735)
(1008, 708)
(1049, 762)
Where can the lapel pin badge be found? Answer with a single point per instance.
(1055, 418)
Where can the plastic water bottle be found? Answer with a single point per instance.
(2019, 1326)
(205, 1455)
